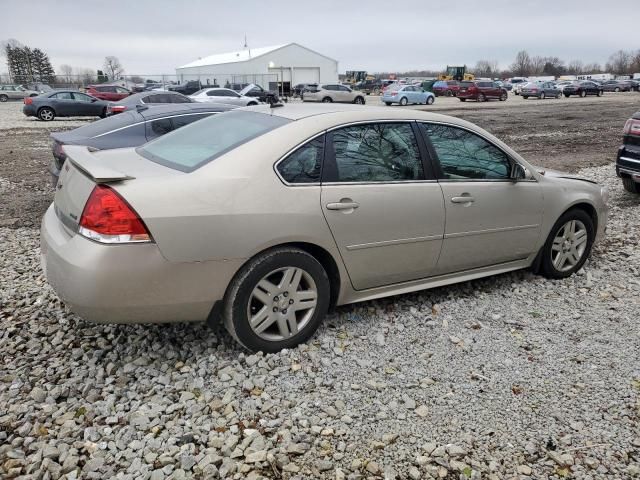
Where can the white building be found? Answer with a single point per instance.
(291, 64)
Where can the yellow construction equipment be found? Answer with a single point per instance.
(456, 73)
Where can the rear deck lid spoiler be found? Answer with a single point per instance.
(84, 160)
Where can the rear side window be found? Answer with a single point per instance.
(467, 84)
(305, 164)
(63, 96)
(188, 148)
(463, 155)
(377, 152)
(157, 128)
(182, 120)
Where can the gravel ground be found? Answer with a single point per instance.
(509, 377)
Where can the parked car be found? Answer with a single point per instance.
(223, 95)
(517, 82)
(187, 88)
(112, 93)
(560, 85)
(615, 86)
(300, 88)
(582, 89)
(369, 87)
(427, 85)
(64, 103)
(540, 90)
(406, 94)
(508, 86)
(38, 87)
(224, 231)
(634, 85)
(129, 129)
(15, 92)
(628, 160)
(448, 88)
(256, 91)
(146, 98)
(481, 91)
(331, 92)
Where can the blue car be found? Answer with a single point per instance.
(405, 94)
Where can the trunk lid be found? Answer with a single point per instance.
(84, 169)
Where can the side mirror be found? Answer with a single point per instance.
(518, 172)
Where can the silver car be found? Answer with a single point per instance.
(333, 92)
(15, 92)
(266, 217)
(223, 95)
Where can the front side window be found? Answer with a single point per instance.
(81, 97)
(305, 164)
(377, 152)
(463, 155)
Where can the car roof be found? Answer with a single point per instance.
(164, 109)
(136, 97)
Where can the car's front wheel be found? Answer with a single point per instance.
(583, 93)
(568, 244)
(359, 101)
(277, 300)
(46, 114)
(4, 98)
(430, 100)
(327, 100)
(630, 185)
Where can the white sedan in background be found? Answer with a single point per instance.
(223, 95)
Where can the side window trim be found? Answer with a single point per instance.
(330, 167)
(436, 161)
(323, 161)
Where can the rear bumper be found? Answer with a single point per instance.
(628, 164)
(29, 110)
(130, 283)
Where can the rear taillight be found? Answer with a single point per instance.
(117, 108)
(534, 89)
(28, 100)
(108, 218)
(632, 127)
(393, 94)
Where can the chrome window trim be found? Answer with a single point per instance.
(289, 152)
(153, 120)
(484, 137)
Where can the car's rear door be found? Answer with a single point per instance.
(490, 219)
(380, 200)
(64, 104)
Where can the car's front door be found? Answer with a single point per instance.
(384, 209)
(84, 105)
(490, 219)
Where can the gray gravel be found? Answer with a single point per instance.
(509, 377)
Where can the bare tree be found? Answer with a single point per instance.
(620, 62)
(486, 68)
(635, 62)
(592, 68)
(553, 66)
(66, 71)
(521, 67)
(112, 67)
(537, 65)
(575, 67)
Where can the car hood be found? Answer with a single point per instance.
(558, 174)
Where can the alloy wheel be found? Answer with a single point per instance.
(46, 115)
(569, 245)
(282, 303)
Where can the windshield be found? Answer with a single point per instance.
(190, 147)
(248, 88)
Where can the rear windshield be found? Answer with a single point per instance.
(190, 147)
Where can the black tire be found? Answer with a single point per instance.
(359, 101)
(430, 100)
(252, 104)
(388, 104)
(482, 97)
(599, 93)
(4, 98)
(566, 95)
(546, 265)
(503, 97)
(462, 99)
(525, 97)
(583, 93)
(46, 114)
(103, 114)
(404, 101)
(542, 96)
(33, 95)
(327, 100)
(239, 292)
(630, 185)
(617, 89)
(449, 93)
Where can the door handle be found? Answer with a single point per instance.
(342, 205)
(463, 199)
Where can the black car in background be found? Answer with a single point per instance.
(256, 91)
(628, 160)
(130, 129)
(582, 89)
(146, 98)
(186, 88)
(634, 85)
(64, 103)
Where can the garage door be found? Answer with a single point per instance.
(306, 75)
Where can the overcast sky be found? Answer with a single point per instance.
(155, 36)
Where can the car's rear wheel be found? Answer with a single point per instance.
(103, 114)
(503, 97)
(327, 100)
(46, 114)
(630, 185)
(599, 93)
(388, 104)
(617, 89)
(251, 104)
(430, 100)
(359, 101)
(403, 101)
(566, 95)
(277, 300)
(525, 97)
(463, 99)
(568, 244)
(482, 98)
(449, 93)
(542, 96)
(583, 93)
(3, 98)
